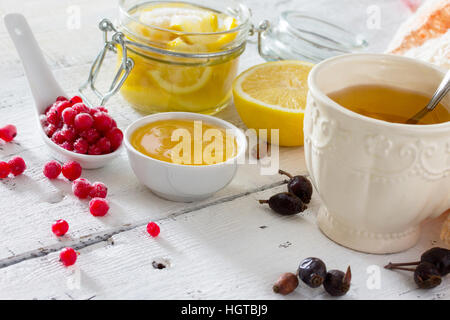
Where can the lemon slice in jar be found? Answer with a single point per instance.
(174, 79)
(272, 95)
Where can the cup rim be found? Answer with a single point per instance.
(318, 94)
(240, 136)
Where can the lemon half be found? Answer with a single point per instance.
(272, 95)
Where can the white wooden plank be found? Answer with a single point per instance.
(219, 252)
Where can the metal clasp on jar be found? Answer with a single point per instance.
(127, 64)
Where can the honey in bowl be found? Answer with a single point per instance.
(185, 142)
(388, 103)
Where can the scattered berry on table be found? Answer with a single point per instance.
(72, 170)
(52, 169)
(4, 169)
(8, 132)
(153, 229)
(60, 228)
(98, 190)
(17, 165)
(98, 207)
(81, 188)
(68, 256)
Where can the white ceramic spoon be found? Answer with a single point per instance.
(45, 88)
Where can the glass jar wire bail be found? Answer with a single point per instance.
(127, 64)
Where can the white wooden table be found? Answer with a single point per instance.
(227, 247)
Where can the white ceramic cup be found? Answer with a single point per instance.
(377, 180)
(180, 182)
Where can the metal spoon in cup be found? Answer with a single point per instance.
(45, 88)
(442, 90)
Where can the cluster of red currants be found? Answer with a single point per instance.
(75, 127)
(81, 188)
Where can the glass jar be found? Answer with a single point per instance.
(177, 70)
(195, 72)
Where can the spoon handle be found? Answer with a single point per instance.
(42, 83)
(441, 91)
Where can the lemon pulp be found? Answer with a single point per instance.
(273, 96)
(184, 142)
(161, 83)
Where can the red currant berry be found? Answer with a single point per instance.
(61, 98)
(98, 207)
(114, 123)
(53, 117)
(67, 145)
(68, 256)
(99, 108)
(153, 229)
(58, 137)
(115, 136)
(8, 132)
(83, 121)
(50, 130)
(69, 133)
(80, 108)
(4, 170)
(17, 166)
(71, 170)
(81, 188)
(90, 135)
(81, 146)
(98, 190)
(76, 99)
(94, 150)
(61, 106)
(52, 169)
(104, 144)
(68, 116)
(102, 121)
(60, 228)
(43, 120)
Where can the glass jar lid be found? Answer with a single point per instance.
(301, 36)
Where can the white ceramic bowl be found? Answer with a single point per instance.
(178, 182)
(378, 180)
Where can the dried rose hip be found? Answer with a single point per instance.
(286, 284)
